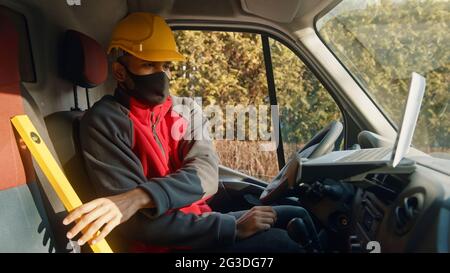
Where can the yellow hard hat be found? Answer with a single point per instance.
(146, 36)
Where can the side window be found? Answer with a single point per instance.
(305, 106)
(226, 73)
(381, 43)
(226, 70)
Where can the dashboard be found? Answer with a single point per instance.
(393, 213)
(382, 212)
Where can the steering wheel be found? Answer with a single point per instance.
(322, 143)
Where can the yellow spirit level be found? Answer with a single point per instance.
(51, 169)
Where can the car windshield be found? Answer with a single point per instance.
(381, 42)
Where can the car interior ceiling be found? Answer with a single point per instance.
(403, 212)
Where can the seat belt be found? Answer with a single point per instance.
(52, 171)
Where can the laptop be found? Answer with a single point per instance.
(387, 155)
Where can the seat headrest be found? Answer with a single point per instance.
(9, 54)
(84, 60)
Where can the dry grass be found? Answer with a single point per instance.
(247, 157)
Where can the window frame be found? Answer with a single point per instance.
(263, 31)
(273, 98)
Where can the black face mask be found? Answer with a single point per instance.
(150, 89)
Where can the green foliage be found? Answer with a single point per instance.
(228, 68)
(224, 68)
(305, 105)
(383, 43)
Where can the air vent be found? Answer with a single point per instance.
(381, 189)
(407, 212)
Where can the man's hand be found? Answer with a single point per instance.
(106, 212)
(255, 220)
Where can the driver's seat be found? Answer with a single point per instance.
(84, 63)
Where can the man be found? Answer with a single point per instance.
(158, 180)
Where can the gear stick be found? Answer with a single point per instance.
(304, 234)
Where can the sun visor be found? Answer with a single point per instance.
(272, 9)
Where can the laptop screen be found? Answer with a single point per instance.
(410, 116)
